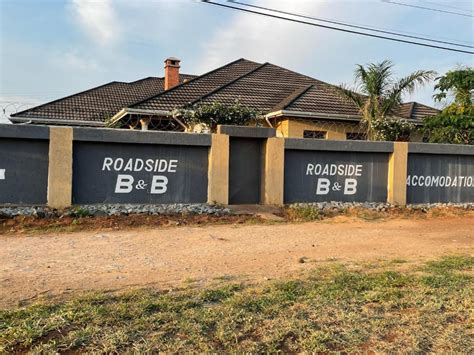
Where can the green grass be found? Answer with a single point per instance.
(332, 308)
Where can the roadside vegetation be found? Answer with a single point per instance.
(84, 220)
(455, 123)
(377, 94)
(381, 307)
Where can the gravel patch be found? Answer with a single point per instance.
(114, 210)
(377, 206)
(180, 208)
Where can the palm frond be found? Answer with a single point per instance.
(406, 85)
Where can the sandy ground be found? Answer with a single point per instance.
(55, 264)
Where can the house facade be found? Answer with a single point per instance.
(296, 105)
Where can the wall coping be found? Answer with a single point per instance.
(23, 131)
(435, 148)
(344, 146)
(111, 135)
(246, 132)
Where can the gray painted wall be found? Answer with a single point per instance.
(139, 173)
(440, 178)
(316, 176)
(23, 171)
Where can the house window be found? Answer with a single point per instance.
(314, 134)
(355, 136)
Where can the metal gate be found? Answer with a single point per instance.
(245, 170)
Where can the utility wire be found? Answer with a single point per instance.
(348, 24)
(335, 28)
(447, 6)
(426, 8)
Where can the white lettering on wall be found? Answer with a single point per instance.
(350, 187)
(439, 181)
(322, 186)
(334, 169)
(159, 184)
(124, 184)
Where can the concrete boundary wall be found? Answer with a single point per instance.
(63, 166)
(23, 131)
(24, 162)
(341, 146)
(430, 148)
(140, 137)
(440, 173)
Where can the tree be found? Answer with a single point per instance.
(377, 94)
(458, 82)
(216, 113)
(455, 123)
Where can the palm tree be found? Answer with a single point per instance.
(377, 94)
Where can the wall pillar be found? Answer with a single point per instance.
(60, 167)
(218, 176)
(144, 122)
(397, 174)
(273, 172)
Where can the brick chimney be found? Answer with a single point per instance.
(171, 72)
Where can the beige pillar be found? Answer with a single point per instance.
(218, 175)
(144, 122)
(397, 174)
(336, 136)
(60, 167)
(273, 172)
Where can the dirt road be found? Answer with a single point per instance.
(52, 264)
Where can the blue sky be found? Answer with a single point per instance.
(54, 48)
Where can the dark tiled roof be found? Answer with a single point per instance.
(264, 87)
(196, 88)
(100, 103)
(415, 111)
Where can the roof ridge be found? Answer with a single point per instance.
(145, 78)
(227, 84)
(306, 76)
(186, 83)
(67, 97)
(296, 94)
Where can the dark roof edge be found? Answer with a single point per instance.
(66, 97)
(227, 84)
(39, 120)
(186, 83)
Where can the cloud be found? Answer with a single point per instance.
(75, 61)
(260, 38)
(98, 19)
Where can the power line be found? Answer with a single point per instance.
(336, 28)
(447, 6)
(427, 8)
(349, 25)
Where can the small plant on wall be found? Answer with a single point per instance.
(211, 114)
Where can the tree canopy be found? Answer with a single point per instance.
(377, 94)
(455, 123)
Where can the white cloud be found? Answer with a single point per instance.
(261, 38)
(75, 61)
(98, 19)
